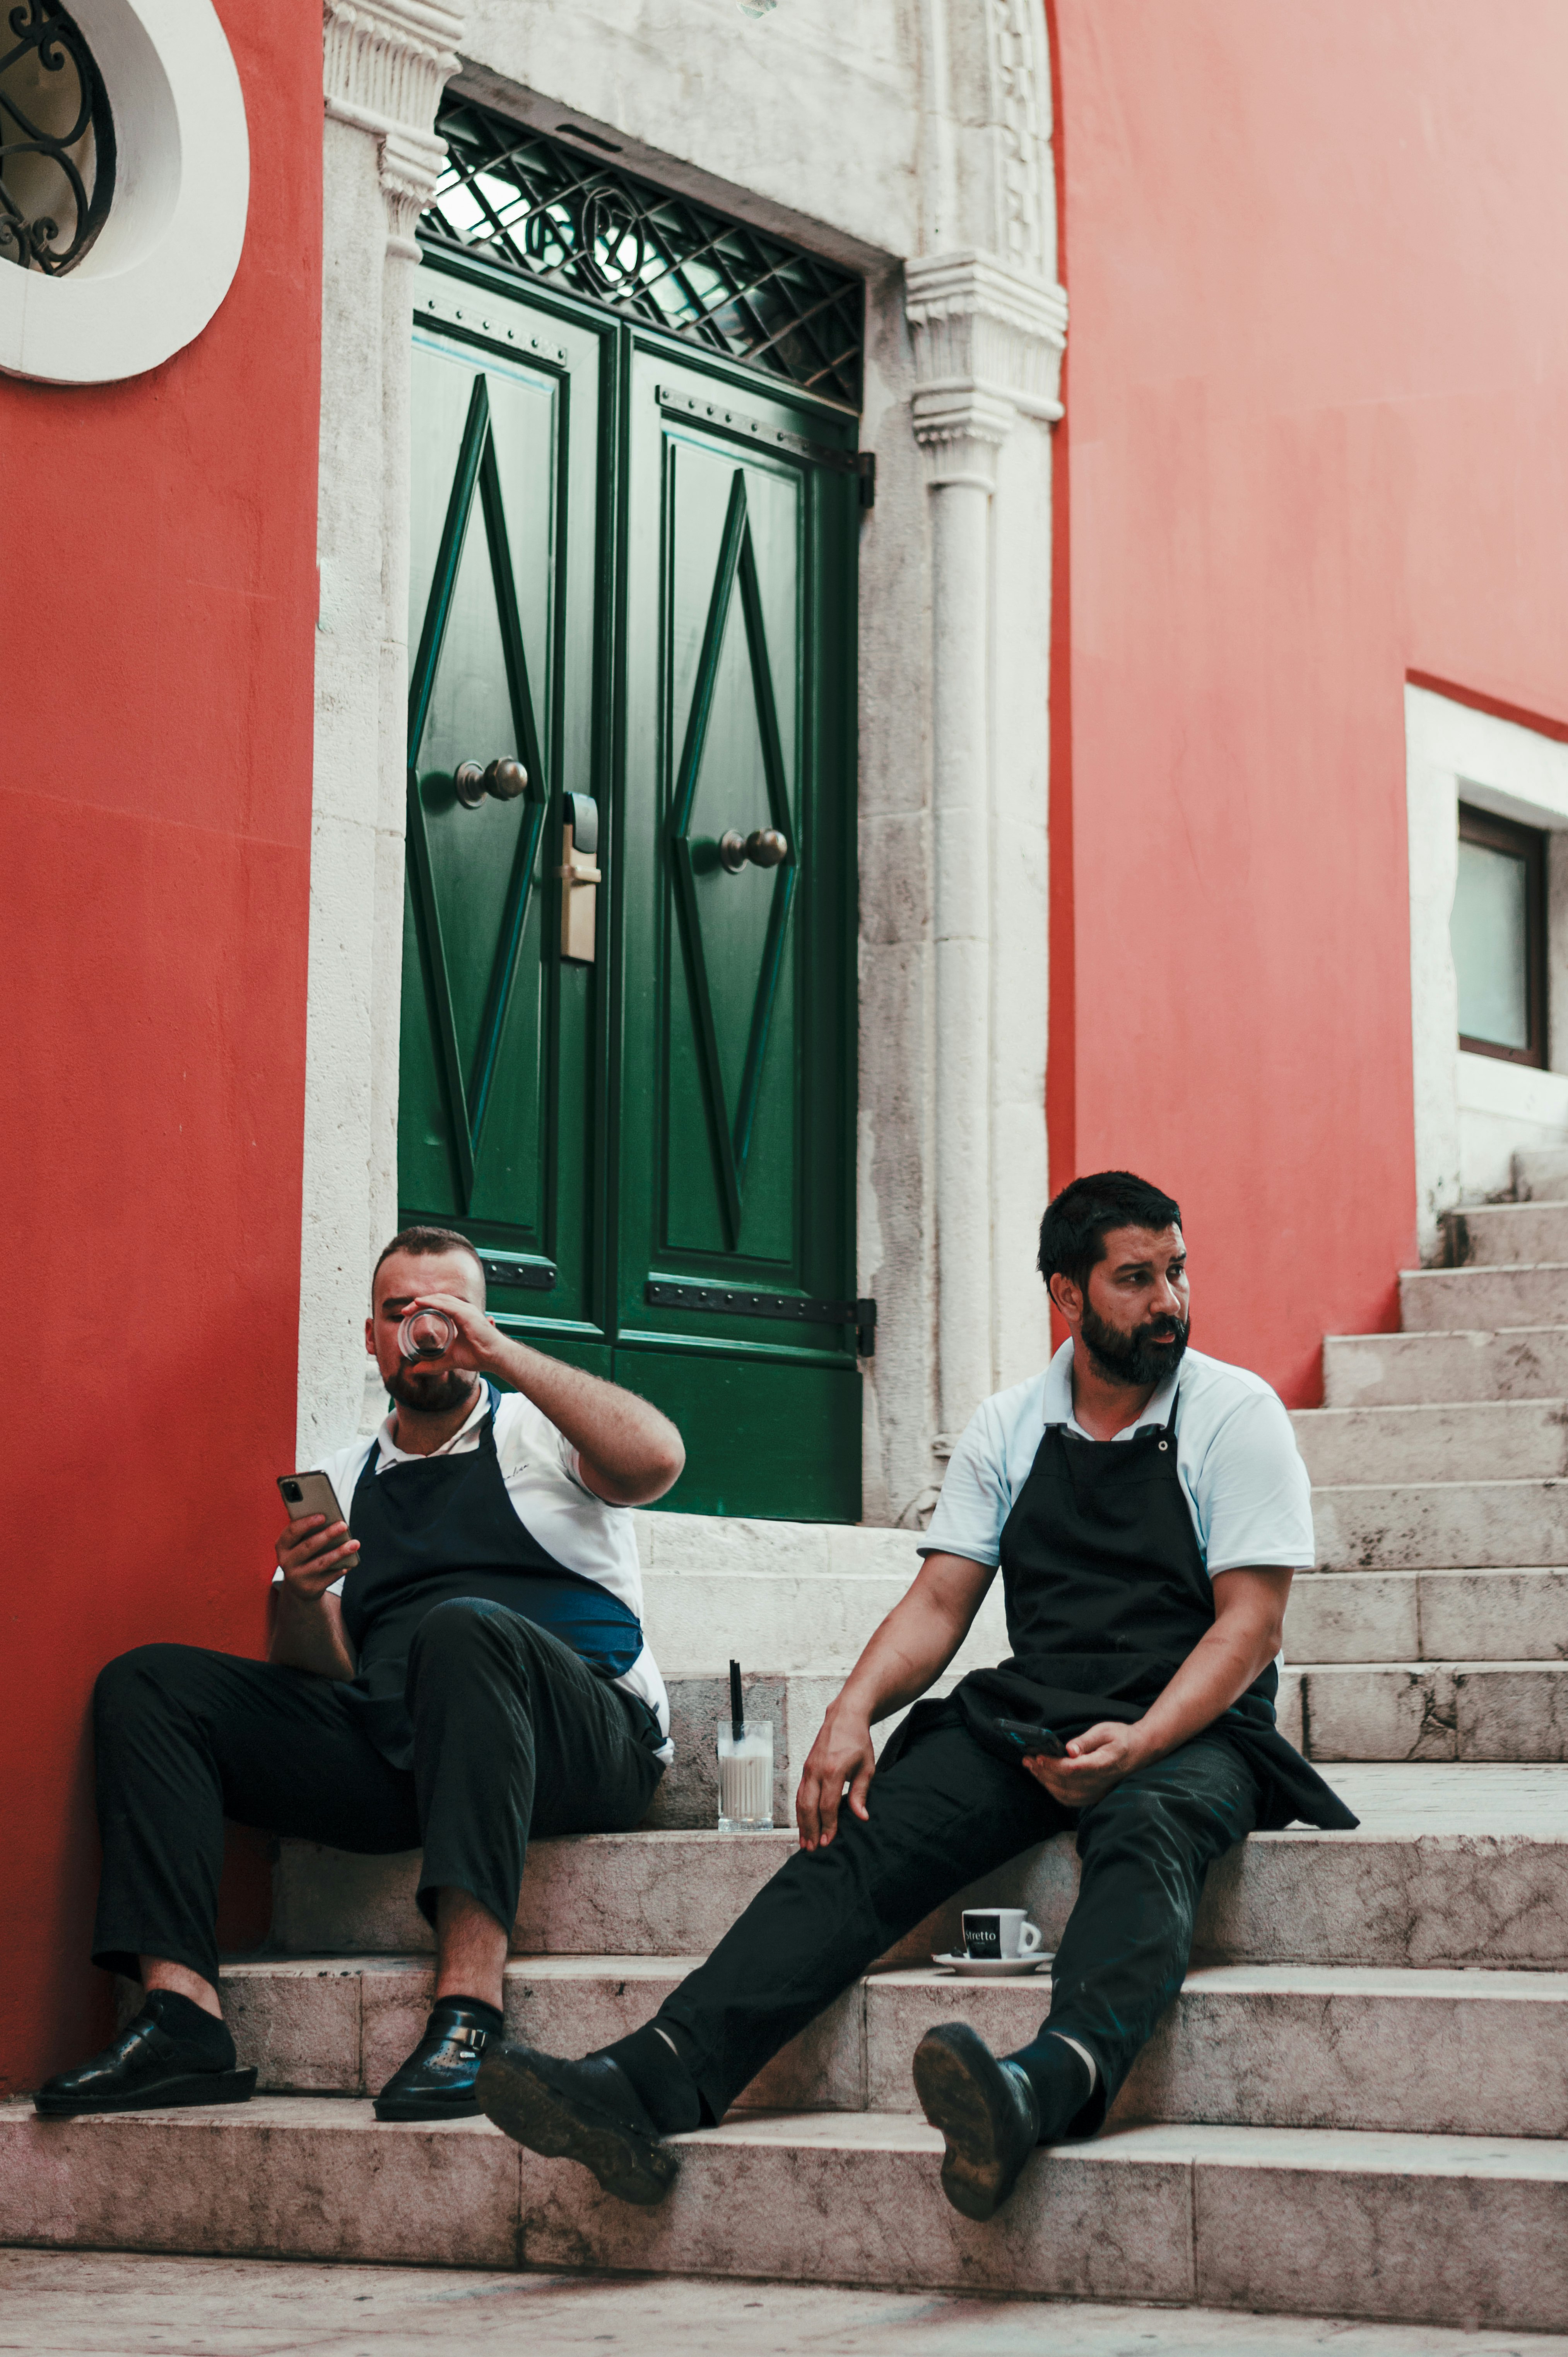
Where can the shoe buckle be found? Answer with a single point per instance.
(461, 2034)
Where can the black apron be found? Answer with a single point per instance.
(441, 1527)
(1107, 1594)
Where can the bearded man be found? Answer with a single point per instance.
(459, 1667)
(1147, 1508)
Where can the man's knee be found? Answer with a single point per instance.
(145, 1679)
(464, 1633)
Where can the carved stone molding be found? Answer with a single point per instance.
(988, 349)
(386, 64)
(1017, 32)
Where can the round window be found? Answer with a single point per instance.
(56, 140)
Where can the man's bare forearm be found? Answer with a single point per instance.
(915, 1643)
(1220, 1667)
(631, 1453)
(307, 1634)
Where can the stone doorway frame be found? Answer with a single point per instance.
(965, 330)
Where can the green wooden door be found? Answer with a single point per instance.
(634, 577)
(500, 1125)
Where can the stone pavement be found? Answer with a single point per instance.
(93, 2304)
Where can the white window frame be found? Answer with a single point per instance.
(1473, 1112)
(166, 254)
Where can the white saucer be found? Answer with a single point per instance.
(993, 1968)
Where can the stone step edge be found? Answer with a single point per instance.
(1492, 1268)
(1490, 1984)
(1448, 1333)
(1424, 2229)
(1441, 1488)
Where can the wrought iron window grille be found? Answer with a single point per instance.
(56, 140)
(564, 219)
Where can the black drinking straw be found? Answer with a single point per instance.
(737, 1707)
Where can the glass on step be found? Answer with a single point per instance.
(745, 1767)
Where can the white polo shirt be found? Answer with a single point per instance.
(543, 1478)
(1240, 1468)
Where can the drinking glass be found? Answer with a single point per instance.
(745, 1776)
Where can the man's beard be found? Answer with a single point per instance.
(1138, 1358)
(427, 1392)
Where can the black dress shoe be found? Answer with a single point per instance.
(985, 2110)
(586, 2111)
(437, 2083)
(141, 2071)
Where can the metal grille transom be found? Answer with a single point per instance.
(561, 217)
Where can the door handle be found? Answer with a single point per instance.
(764, 847)
(579, 877)
(505, 779)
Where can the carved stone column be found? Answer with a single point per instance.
(988, 345)
(386, 62)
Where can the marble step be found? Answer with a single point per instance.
(1461, 1300)
(1507, 1235)
(1453, 1865)
(1467, 2230)
(1408, 1701)
(1440, 1525)
(1281, 2046)
(1523, 1361)
(1518, 1440)
(1477, 1712)
(1540, 1174)
(1498, 1615)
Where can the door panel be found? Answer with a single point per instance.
(737, 981)
(501, 1056)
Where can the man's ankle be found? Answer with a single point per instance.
(658, 2075)
(159, 1973)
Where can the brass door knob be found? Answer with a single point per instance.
(504, 779)
(765, 847)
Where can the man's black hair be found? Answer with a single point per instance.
(1073, 1232)
(424, 1243)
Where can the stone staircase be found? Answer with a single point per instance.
(1359, 2104)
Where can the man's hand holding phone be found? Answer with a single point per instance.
(316, 1548)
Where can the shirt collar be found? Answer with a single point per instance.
(390, 1454)
(1057, 1406)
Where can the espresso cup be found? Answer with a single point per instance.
(1000, 1933)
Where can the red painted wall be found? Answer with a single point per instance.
(157, 603)
(1317, 437)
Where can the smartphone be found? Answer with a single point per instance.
(1034, 1742)
(310, 1493)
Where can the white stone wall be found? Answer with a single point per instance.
(910, 142)
(1473, 1112)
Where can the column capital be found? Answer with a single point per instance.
(988, 349)
(384, 65)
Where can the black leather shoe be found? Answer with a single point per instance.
(586, 2111)
(141, 2071)
(985, 2110)
(437, 2083)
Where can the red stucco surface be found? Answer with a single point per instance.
(1317, 439)
(157, 605)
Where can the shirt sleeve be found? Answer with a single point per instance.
(1253, 1493)
(974, 1502)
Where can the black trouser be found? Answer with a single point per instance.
(944, 1814)
(514, 1735)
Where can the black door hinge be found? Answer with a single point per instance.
(533, 1275)
(865, 468)
(728, 1301)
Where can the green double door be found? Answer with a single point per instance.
(628, 1061)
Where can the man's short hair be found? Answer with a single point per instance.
(424, 1243)
(1073, 1232)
